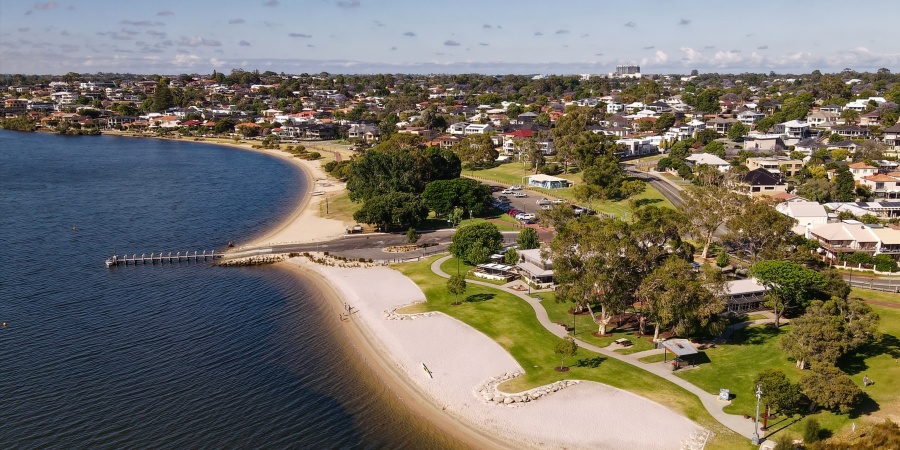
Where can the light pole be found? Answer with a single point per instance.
(755, 438)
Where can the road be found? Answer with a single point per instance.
(369, 246)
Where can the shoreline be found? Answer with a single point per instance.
(384, 368)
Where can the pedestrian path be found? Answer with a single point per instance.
(736, 423)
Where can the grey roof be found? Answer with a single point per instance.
(680, 347)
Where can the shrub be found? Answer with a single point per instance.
(722, 258)
(811, 431)
(314, 155)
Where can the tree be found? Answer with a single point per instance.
(884, 263)
(777, 392)
(707, 135)
(528, 239)
(830, 388)
(567, 131)
(566, 348)
(395, 210)
(759, 230)
(532, 152)
(442, 196)
(475, 243)
(811, 431)
(455, 217)
(456, 285)
(816, 189)
(477, 150)
(399, 166)
(664, 122)
(162, 98)
(707, 208)
(738, 131)
(844, 185)
(788, 284)
(411, 236)
(511, 257)
(675, 296)
(716, 148)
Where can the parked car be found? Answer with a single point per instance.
(543, 201)
(546, 206)
(520, 195)
(495, 188)
(516, 188)
(559, 201)
(525, 216)
(506, 191)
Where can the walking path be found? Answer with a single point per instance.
(736, 423)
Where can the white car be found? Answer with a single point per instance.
(520, 195)
(558, 201)
(516, 188)
(546, 207)
(543, 201)
(525, 216)
(506, 191)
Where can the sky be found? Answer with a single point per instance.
(491, 37)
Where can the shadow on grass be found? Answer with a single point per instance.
(646, 201)
(475, 298)
(790, 421)
(865, 407)
(590, 362)
(856, 363)
(699, 358)
(753, 335)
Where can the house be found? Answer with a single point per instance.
(477, 128)
(745, 295)
(776, 164)
(795, 129)
(749, 117)
(524, 118)
(804, 212)
(851, 131)
(547, 181)
(721, 124)
(892, 137)
(861, 170)
(764, 143)
(458, 128)
(534, 268)
(365, 131)
(762, 182)
(699, 159)
(852, 236)
(836, 109)
(870, 118)
(883, 185)
(821, 118)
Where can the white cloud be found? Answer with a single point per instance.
(216, 62)
(197, 41)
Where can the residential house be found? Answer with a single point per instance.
(861, 104)
(851, 131)
(861, 170)
(708, 159)
(805, 213)
(365, 131)
(883, 185)
(870, 118)
(721, 124)
(524, 118)
(764, 143)
(794, 129)
(852, 236)
(776, 164)
(750, 117)
(759, 182)
(892, 137)
(458, 128)
(822, 118)
(477, 128)
(836, 109)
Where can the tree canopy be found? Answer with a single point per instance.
(442, 196)
(392, 211)
(399, 169)
(528, 239)
(475, 243)
(788, 284)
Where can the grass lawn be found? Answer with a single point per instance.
(340, 207)
(734, 366)
(878, 296)
(654, 358)
(512, 324)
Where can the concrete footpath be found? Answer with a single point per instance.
(736, 423)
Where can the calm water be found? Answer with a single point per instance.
(190, 356)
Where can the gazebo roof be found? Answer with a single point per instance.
(680, 347)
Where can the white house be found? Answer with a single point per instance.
(805, 213)
(699, 159)
(458, 128)
(477, 128)
(861, 170)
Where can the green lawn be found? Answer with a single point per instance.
(735, 364)
(887, 297)
(340, 207)
(512, 324)
(655, 358)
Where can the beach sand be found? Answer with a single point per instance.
(461, 360)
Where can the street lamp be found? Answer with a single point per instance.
(755, 439)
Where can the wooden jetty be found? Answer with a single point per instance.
(161, 258)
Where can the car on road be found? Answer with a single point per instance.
(520, 195)
(543, 201)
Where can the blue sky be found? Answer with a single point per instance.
(401, 36)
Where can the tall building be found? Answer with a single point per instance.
(626, 71)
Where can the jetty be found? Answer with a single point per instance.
(162, 258)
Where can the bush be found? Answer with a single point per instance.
(784, 442)
(313, 156)
(551, 169)
(811, 431)
(722, 258)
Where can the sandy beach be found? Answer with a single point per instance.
(461, 360)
